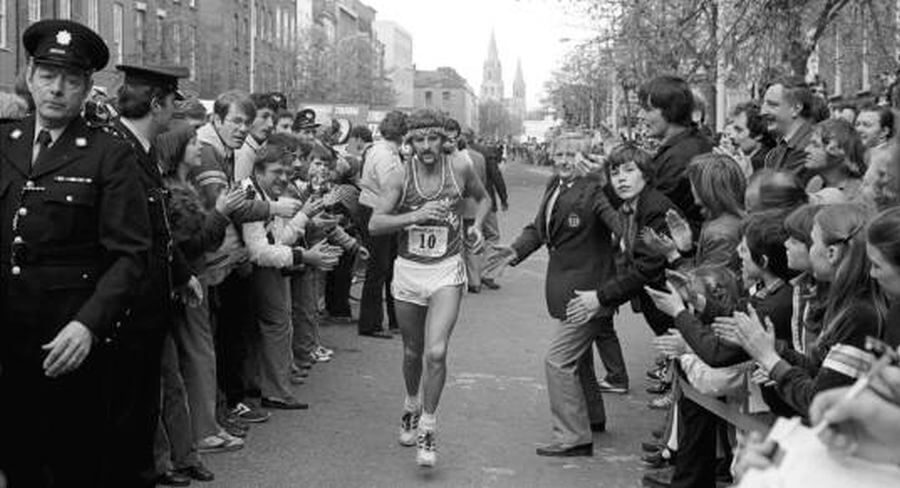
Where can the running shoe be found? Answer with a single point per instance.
(607, 387)
(409, 428)
(426, 454)
(662, 403)
(320, 357)
(249, 414)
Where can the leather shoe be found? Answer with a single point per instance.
(199, 473)
(598, 427)
(655, 460)
(490, 284)
(379, 334)
(658, 479)
(558, 450)
(171, 478)
(651, 446)
(283, 404)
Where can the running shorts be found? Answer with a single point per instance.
(416, 282)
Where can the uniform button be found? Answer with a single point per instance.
(151, 199)
(29, 184)
(23, 212)
(84, 276)
(16, 271)
(18, 240)
(108, 340)
(69, 198)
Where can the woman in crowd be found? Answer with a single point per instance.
(187, 420)
(835, 155)
(854, 310)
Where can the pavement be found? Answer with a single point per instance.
(493, 413)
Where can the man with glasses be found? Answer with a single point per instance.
(73, 248)
(424, 203)
(228, 269)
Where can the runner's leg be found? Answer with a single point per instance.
(411, 318)
(442, 315)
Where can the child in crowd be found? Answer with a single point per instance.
(835, 156)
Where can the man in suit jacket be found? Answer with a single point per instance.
(581, 254)
(74, 243)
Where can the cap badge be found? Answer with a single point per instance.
(63, 38)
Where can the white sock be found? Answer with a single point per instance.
(411, 404)
(428, 421)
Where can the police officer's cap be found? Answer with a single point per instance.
(66, 44)
(165, 77)
(306, 119)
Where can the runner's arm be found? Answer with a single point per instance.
(384, 220)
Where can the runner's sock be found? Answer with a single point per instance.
(411, 404)
(428, 421)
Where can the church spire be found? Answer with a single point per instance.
(492, 49)
(492, 73)
(519, 83)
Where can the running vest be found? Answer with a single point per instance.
(434, 240)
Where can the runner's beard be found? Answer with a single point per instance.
(427, 157)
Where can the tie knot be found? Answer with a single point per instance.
(44, 138)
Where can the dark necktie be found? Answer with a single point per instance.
(43, 142)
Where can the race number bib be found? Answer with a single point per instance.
(427, 241)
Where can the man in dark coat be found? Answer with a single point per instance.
(496, 188)
(146, 102)
(73, 244)
(666, 107)
(787, 109)
(581, 255)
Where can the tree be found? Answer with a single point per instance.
(315, 63)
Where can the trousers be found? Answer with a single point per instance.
(571, 385)
(174, 447)
(376, 295)
(272, 296)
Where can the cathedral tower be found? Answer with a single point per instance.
(492, 74)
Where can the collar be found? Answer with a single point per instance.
(145, 143)
(252, 143)
(54, 133)
(769, 290)
(797, 136)
(676, 138)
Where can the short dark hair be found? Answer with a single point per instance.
(270, 154)
(777, 189)
(797, 92)
(284, 114)
(361, 132)
(765, 235)
(224, 102)
(135, 100)
(451, 125)
(287, 142)
(626, 153)
(756, 125)
(799, 223)
(323, 152)
(393, 127)
(672, 96)
(263, 101)
(885, 117)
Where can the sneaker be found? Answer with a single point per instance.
(661, 403)
(658, 374)
(324, 350)
(250, 414)
(320, 355)
(607, 387)
(409, 427)
(426, 454)
(223, 442)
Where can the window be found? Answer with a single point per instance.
(140, 36)
(119, 32)
(445, 97)
(3, 42)
(278, 26)
(237, 32)
(34, 10)
(428, 100)
(161, 36)
(176, 42)
(65, 9)
(93, 15)
(193, 3)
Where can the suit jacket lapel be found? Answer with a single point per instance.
(563, 206)
(542, 213)
(21, 147)
(61, 153)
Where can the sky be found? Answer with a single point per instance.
(456, 33)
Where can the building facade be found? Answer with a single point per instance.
(398, 61)
(137, 32)
(446, 91)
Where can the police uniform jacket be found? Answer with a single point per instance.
(579, 243)
(166, 268)
(74, 234)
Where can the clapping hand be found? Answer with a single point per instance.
(670, 345)
(668, 302)
(322, 256)
(659, 243)
(680, 231)
(747, 330)
(284, 207)
(230, 200)
(313, 206)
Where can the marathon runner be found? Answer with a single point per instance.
(424, 204)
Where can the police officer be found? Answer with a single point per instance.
(145, 103)
(74, 238)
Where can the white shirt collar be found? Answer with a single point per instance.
(54, 133)
(145, 143)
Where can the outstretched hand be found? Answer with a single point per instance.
(680, 230)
